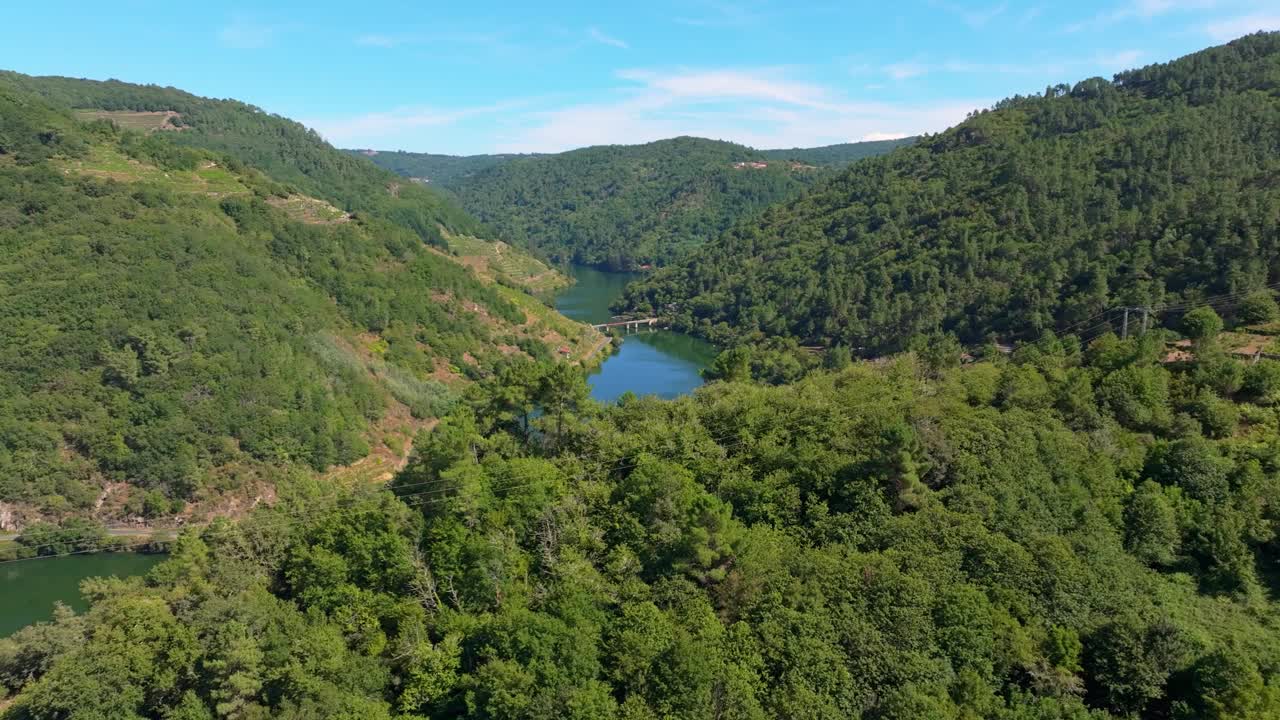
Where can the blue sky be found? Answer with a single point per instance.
(477, 76)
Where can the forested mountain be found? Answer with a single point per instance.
(282, 148)
(621, 206)
(838, 155)
(191, 312)
(1065, 536)
(437, 169)
(1153, 189)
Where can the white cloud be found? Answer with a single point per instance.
(979, 18)
(731, 84)
(366, 128)
(375, 40)
(1046, 69)
(975, 17)
(874, 136)
(1233, 28)
(1122, 60)
(1029, 16)
(1142, 10)
(721, 14)
(905, 70)
(761, 108)
(602, 38)
(243, 34)
(1152, 8)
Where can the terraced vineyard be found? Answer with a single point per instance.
(144, 121)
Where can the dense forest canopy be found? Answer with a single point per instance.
(185, 323)
(838, 155)
(1154, 189)
(1062, 536)
(450, 170)
(444, 170)
(622, 206)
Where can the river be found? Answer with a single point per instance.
(29, 588)
(658, 362)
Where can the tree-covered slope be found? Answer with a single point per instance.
(622, 206)
(443, 170)
(1152, 189)
(838, 155)
(180, 322)
(1065, 536)
(284, 149)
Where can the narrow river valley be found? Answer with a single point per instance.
(658, 362)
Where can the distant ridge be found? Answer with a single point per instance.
(626, 206)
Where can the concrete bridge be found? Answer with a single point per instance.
(631, 325)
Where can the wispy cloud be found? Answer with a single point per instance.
(600, 37)
(381, 41)
(759, 107)
(1029, 15)
(762, 107)
(1232, 28)
(1120, 60)
(245, 34)
(906, 70)
(975, 17)
(1140, 10)
(1101, 61)
(369, 126)
(870, 137)
(711, 13)
(764, 84)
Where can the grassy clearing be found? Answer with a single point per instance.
(129, 120)
(498, 258)
(1271, 328)
(310, 210)
(108, 162)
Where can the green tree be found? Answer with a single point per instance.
(1202, 325)
(1226, 685)
(1259, 307)
(1129, 662)
(1151, 526)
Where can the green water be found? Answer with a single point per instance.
(660, 362)
(29, 588)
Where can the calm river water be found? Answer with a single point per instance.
(29, 588)
(661, 362)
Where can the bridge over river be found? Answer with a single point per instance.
(633, 324)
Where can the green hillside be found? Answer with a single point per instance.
(182, 326)
(839, 155)
(622, 206)
(891, 543)
(283, 149)
(442, 170)
(1153, 189)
